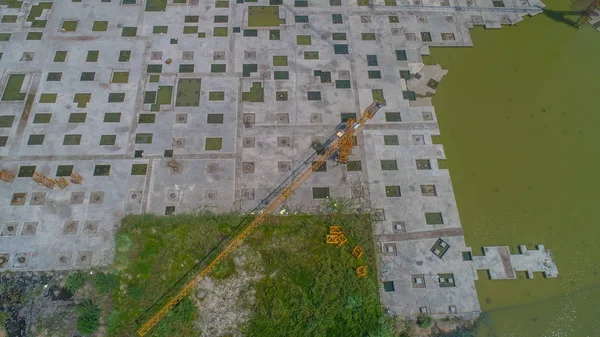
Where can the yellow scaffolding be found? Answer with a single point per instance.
(42, 179)
(357, 252)
(361, 271)
(7, 176)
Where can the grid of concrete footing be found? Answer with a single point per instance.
(162, 107)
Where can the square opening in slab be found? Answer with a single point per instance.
(345, 116)
(338, 36)
(143, 138)
(274, 35)
(3, 141)
(392, 191)
(428, 190)
(390, 140)
(72, 140)
(116, 97)
(60, 56)
(129, 31)
(147, 118)
(216, 96)
(70, 227)
(389, 165)
(139, 169)
(190, 30)
(374, 74)
(29, 228)
(92, 56)
(423, 164)
(368, 36)
(48, 98)
(340, 49)
(97, 197)
(42, 118)
(303, 40)
(82, 99)
(36, 139)
(280, 61)
(108, 139)
(337, 18)
(314, 95)
(102, 170)
(100, 26)
(87, 76)
(64, 170)
(54, 77)
(77, 117)
(320, 192)
(26, 171)
(120, 77)
(214, 118)
(388, 286)
(354, 165)
(9, 229)
(311, 55)
(138, 154)
(213, 144)
(112, 117)
(434, 218)
(124, 55)
(372, 60)
(218, 68)
(426, 36)
(69, 26)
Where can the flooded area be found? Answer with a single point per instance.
(519, 121)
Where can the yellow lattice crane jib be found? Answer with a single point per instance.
(361, 271)
(357, 252)
(42, 179)
(331, 149)
(347, 142)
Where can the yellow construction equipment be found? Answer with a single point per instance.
(266, 207)
(332, 239)
(342, 240)
(335, 230)
(42, 179)
(76, 178)
(357, 252)
(361, 271)
(7, 176)
(61, 182)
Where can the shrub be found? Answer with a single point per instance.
(88, 319)
(424, 321)
(105, 283)
(75, 282)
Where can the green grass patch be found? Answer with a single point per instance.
(368, 36)
(60, 56)
(213, 144)
(156, 5)
(304, 40)
(220, 31)
(120, 77)
(188, 92)
(216, 96)
(256, 93)
(100, 26)
(264, 16)
(92, 56)
(160, 29)
(69, 25)
(222, 4)
(36, 11)
(280, 61)
(12, 91)
(311, 55)
(164, 95)
(378, 95)
(218, 68)
(190, 30)
(48, 98)
(129, 31)
(5, 36)
(9, 18)
(82, 99)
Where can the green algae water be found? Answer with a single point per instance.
(519, 119)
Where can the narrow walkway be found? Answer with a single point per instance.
(422, 235)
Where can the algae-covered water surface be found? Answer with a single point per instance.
(519, 124)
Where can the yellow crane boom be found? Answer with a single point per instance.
(330, 150)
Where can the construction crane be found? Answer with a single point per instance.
(585, 16)
(335, 145)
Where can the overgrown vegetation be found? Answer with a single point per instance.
(309, 288)
(88, 317)
(424, 321)
(105, 282)
(75, 282)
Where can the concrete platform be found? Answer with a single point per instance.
(189, 108)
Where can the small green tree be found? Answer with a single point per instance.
(88, 319)
(105, 283)
(424, 321)
(75, 282)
